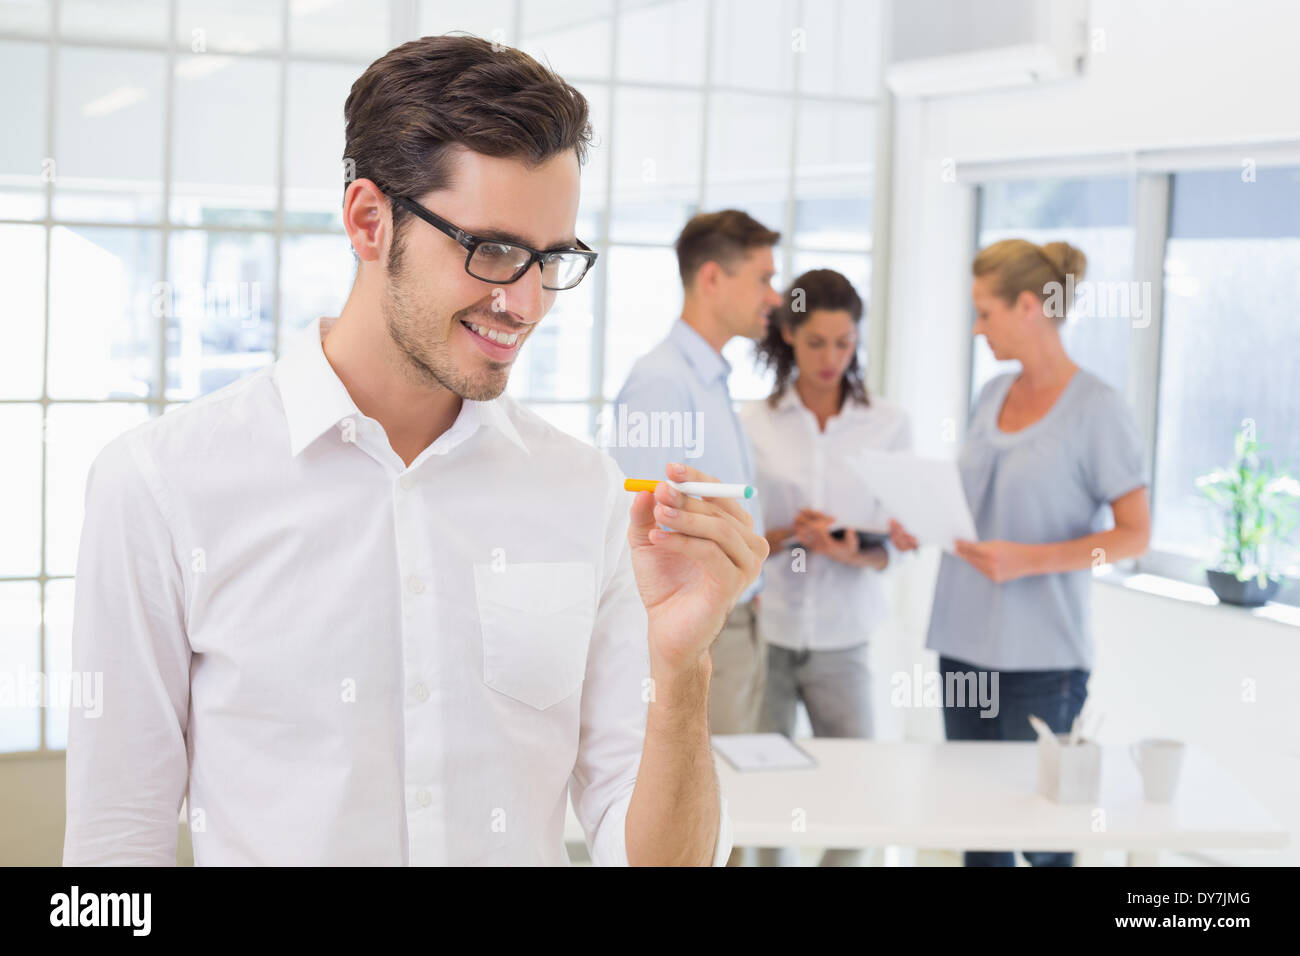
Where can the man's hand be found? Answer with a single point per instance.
(690, 578)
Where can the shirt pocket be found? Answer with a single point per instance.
(536, 620)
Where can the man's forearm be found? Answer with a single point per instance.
(672, 819)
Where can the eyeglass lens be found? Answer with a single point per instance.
(503, 262)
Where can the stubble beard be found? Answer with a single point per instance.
(428, 361)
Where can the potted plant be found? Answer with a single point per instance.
(1257, 505)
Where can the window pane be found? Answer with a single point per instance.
(25, 17)
(834, 173)
(489, 19)
(856, 267)
(574, 419)
(555, 362)
(753, 43)
(644, 296)
(22, 322)
(219, 325)
(595, 172)
(749, 156)
(224, 141)
(314, 141)
(573, 38)
(20, 649)
(108, 145)
(316, 273)
(747, 380)
(20, 486)
(662, 42)
(22, 148)
(233, 26)
(1094, 215)
(346, 28)
(58, 663)
(106, 301)
(74, 435)
(138, 20)
(1228, 342)
(842, 51)
(656, 163)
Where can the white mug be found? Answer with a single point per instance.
(1159, 761)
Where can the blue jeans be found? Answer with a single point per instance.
(1055, 696)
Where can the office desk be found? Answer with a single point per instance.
(979, 795)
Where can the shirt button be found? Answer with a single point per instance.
(415, 584)
(406, 482)
(420, 691)
(423, 797)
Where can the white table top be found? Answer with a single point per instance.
(981, 795)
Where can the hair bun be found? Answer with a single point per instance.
(1067, 260)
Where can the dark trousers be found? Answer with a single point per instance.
(1055, 696)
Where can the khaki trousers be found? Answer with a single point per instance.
(739, 674)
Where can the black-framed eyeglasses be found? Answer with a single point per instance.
(502, 262)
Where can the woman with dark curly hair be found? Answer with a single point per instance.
(823, 594)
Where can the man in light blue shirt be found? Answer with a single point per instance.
(675, 406)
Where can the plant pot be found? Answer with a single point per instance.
(1246, 593)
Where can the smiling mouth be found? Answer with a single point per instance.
(495, 336)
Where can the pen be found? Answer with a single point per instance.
(702, 489)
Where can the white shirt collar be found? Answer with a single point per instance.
(790, 400)
(315, 400)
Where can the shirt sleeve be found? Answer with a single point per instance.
(127, 766)
(726, 836)
(615, 699)
(1114, 458)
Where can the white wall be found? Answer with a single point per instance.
(1173, 74)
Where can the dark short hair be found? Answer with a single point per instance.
(722, 237)
(417, 102)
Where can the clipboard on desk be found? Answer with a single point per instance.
(748, 752)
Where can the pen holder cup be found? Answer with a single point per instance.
(1069, 774)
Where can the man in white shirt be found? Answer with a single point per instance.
(360, 607)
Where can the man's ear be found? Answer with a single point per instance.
(367, 219)
(706, 279)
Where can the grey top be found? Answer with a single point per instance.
(1051, 481)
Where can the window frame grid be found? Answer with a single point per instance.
(404, 16)
(1152, 172)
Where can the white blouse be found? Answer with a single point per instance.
(811, 601)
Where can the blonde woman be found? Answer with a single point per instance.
(824, 594)
(1049, 450)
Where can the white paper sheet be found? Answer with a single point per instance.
(847, 500)
(924, 495)
(761, 752)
